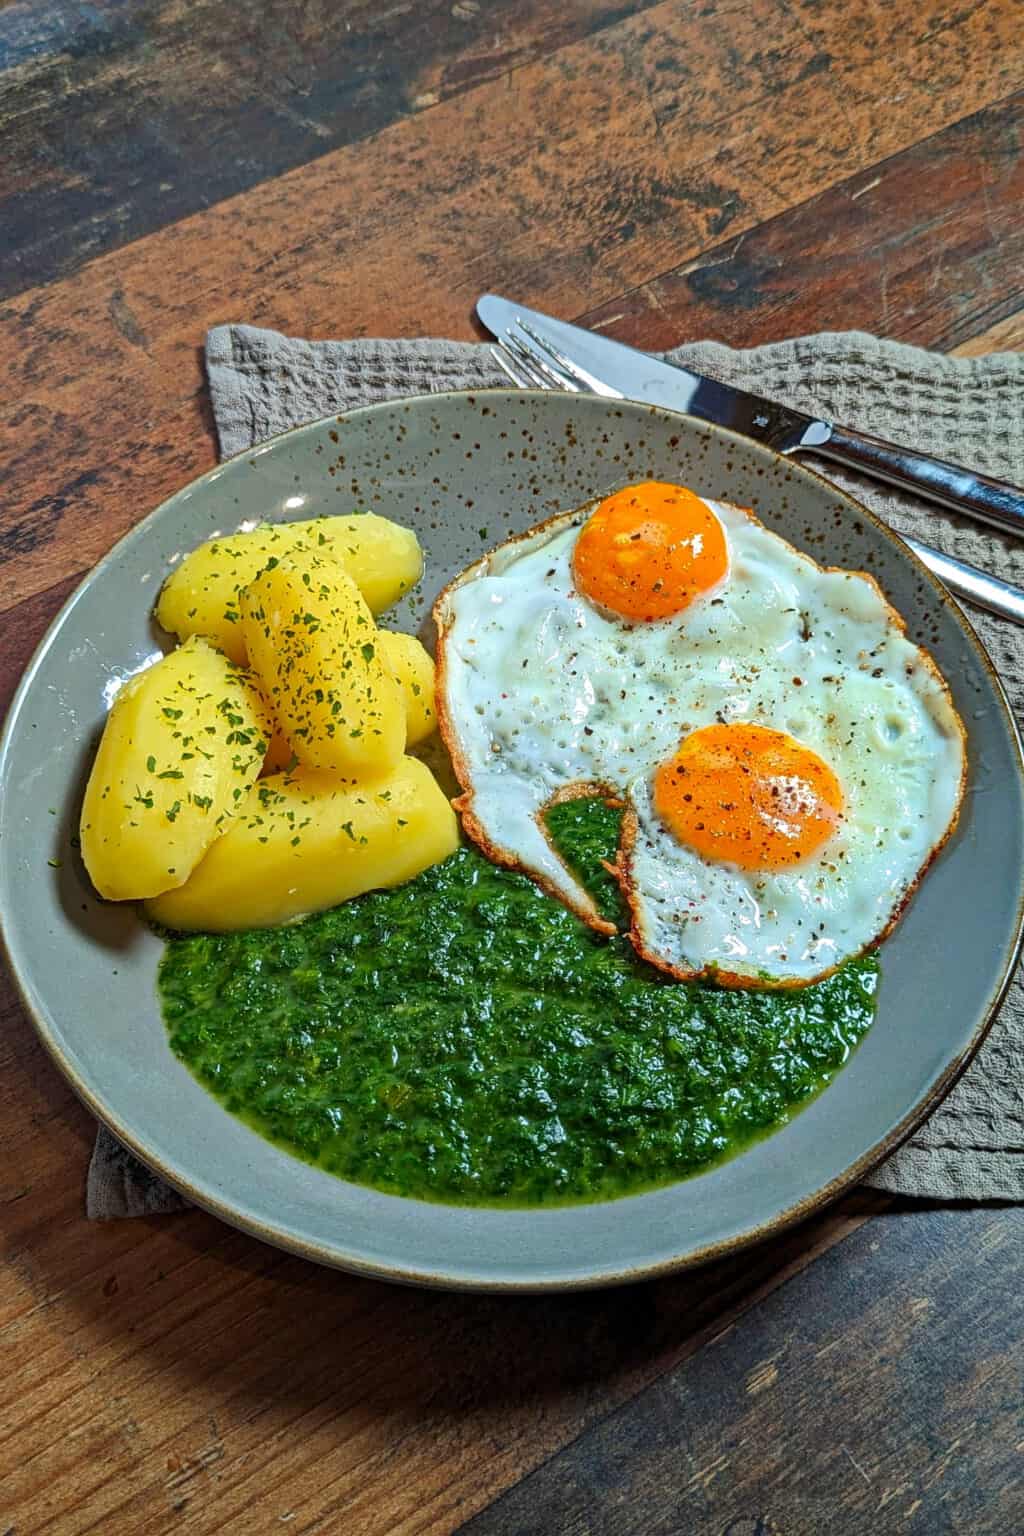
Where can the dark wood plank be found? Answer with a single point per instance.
(927, 246)
(877, 1392)
(116, 119)
(653, 163)
(22, 629)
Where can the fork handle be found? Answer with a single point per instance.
(969, 583)
(977, 496)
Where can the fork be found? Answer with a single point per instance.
(528, 370)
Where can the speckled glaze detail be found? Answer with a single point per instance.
(466, 471)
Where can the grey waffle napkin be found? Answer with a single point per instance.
(971, 411)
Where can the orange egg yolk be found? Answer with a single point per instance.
(744, 794)
(648, 551)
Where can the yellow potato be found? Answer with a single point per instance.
(413, 670)
(315, 649)
(413, 667)
(200, 597)
(180, 751)
(279, 754)
(309, 840)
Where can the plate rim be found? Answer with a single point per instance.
(466, 1281)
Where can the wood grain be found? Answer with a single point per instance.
(683, 127)
(946, 266)
(877, 1392)
(23, 628)
(107, 137)
(926, 247)
(1005, 336)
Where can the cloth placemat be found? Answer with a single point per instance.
(967, 410)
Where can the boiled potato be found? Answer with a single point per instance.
(308, 840)
(279, 754)
(200, 597)
(413, 667)
(181, 749)
(316, 652)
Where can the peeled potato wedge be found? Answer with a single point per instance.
(316, 652)
(200, 597)
(308, 840)
(413, 667)
(182, 746)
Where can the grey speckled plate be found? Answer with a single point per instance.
(465, 471)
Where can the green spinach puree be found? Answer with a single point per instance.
(465, 1038)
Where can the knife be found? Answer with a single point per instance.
(535, 360)
(608, 367)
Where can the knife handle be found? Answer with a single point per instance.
(977, 496)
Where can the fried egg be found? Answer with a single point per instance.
(789, 763)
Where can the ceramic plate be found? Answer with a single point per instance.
(466, 471)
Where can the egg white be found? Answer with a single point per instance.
(539, 691)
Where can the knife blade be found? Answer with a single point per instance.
(603, 365)
(635, 375)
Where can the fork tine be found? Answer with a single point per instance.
(581, 379)
(518, 366)
(504, 362)
(526, 358)
(536, 369)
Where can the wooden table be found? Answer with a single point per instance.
(743, 169)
